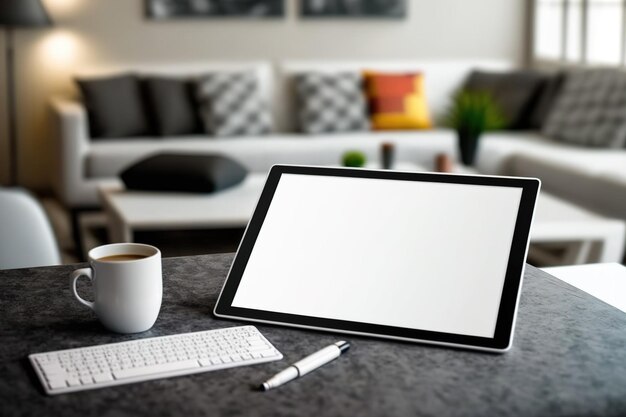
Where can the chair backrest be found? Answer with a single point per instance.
(26, 237)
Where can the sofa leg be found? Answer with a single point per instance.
(77, 236)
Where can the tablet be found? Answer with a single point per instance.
(419, 257)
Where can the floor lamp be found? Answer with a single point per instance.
(16, 14)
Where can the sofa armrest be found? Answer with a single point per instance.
(71, 135)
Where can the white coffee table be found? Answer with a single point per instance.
(130, 211)
(605, 281)
(579, 236)
(586, 236)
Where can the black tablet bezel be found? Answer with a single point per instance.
(511, 288)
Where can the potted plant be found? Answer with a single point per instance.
(471, 114)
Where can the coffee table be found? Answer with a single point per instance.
(579, 235)
(584, 236)
(606, 282)
(130, 211)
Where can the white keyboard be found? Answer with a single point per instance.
(101, 366)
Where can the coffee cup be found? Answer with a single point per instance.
(127, 285)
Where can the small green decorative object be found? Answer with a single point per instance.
(354, 159)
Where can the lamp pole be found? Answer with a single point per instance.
(11, 116)
(16, 14)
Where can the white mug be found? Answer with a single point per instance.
(128, 293)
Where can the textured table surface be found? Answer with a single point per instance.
(568, 358)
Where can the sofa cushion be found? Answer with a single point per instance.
(507, 146)
(397, 101)
(204, 173)
(171, 105)
(546, 97)
(231, 104)
(257, 154)
(592, 178)
(590, 110)
(513, 91)
(114, 106)
(330, 102)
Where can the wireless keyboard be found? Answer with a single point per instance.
(140, 360)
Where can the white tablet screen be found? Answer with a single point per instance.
(420, 255)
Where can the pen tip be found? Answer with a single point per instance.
(343, 345)
(263, 387)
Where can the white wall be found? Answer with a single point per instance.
(90, 33)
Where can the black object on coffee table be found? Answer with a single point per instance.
(184, 172)
(468, 146)
(387, 154)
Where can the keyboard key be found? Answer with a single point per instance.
(72, 382)
(86, 380)
(268, 353)
(205, 362)
(53, 369)
(56, 383)
(257, 348)
(103, 377)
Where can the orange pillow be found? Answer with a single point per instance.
(397, 101)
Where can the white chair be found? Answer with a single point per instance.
(26, 237)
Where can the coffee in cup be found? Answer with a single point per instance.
(121, 258)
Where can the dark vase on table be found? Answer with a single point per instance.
(468, 146)
(387, 151)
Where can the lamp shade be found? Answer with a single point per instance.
(23, 13)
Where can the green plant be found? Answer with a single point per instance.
(473, 113)
(355, 159)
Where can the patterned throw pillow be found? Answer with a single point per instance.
(330, 102)
(397, 101)
(590, 110)
(231, 104)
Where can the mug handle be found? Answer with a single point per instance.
(74, 278)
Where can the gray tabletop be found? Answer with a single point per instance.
(569, 358)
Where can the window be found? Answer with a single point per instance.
(580, 31)
(573, 34)
(548, 30)
(604, 31)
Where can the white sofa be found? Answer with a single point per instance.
(593, 178)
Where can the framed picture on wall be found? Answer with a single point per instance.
(184, 9)
(367, 9)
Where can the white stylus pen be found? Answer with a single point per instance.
(306, 365)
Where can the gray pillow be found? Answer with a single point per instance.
(590, 110)
(171, 105)
(546, 97)
(513, 92)
(115, 106)
(331, 102)
(231, 104)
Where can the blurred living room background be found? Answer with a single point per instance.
(156, 121)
